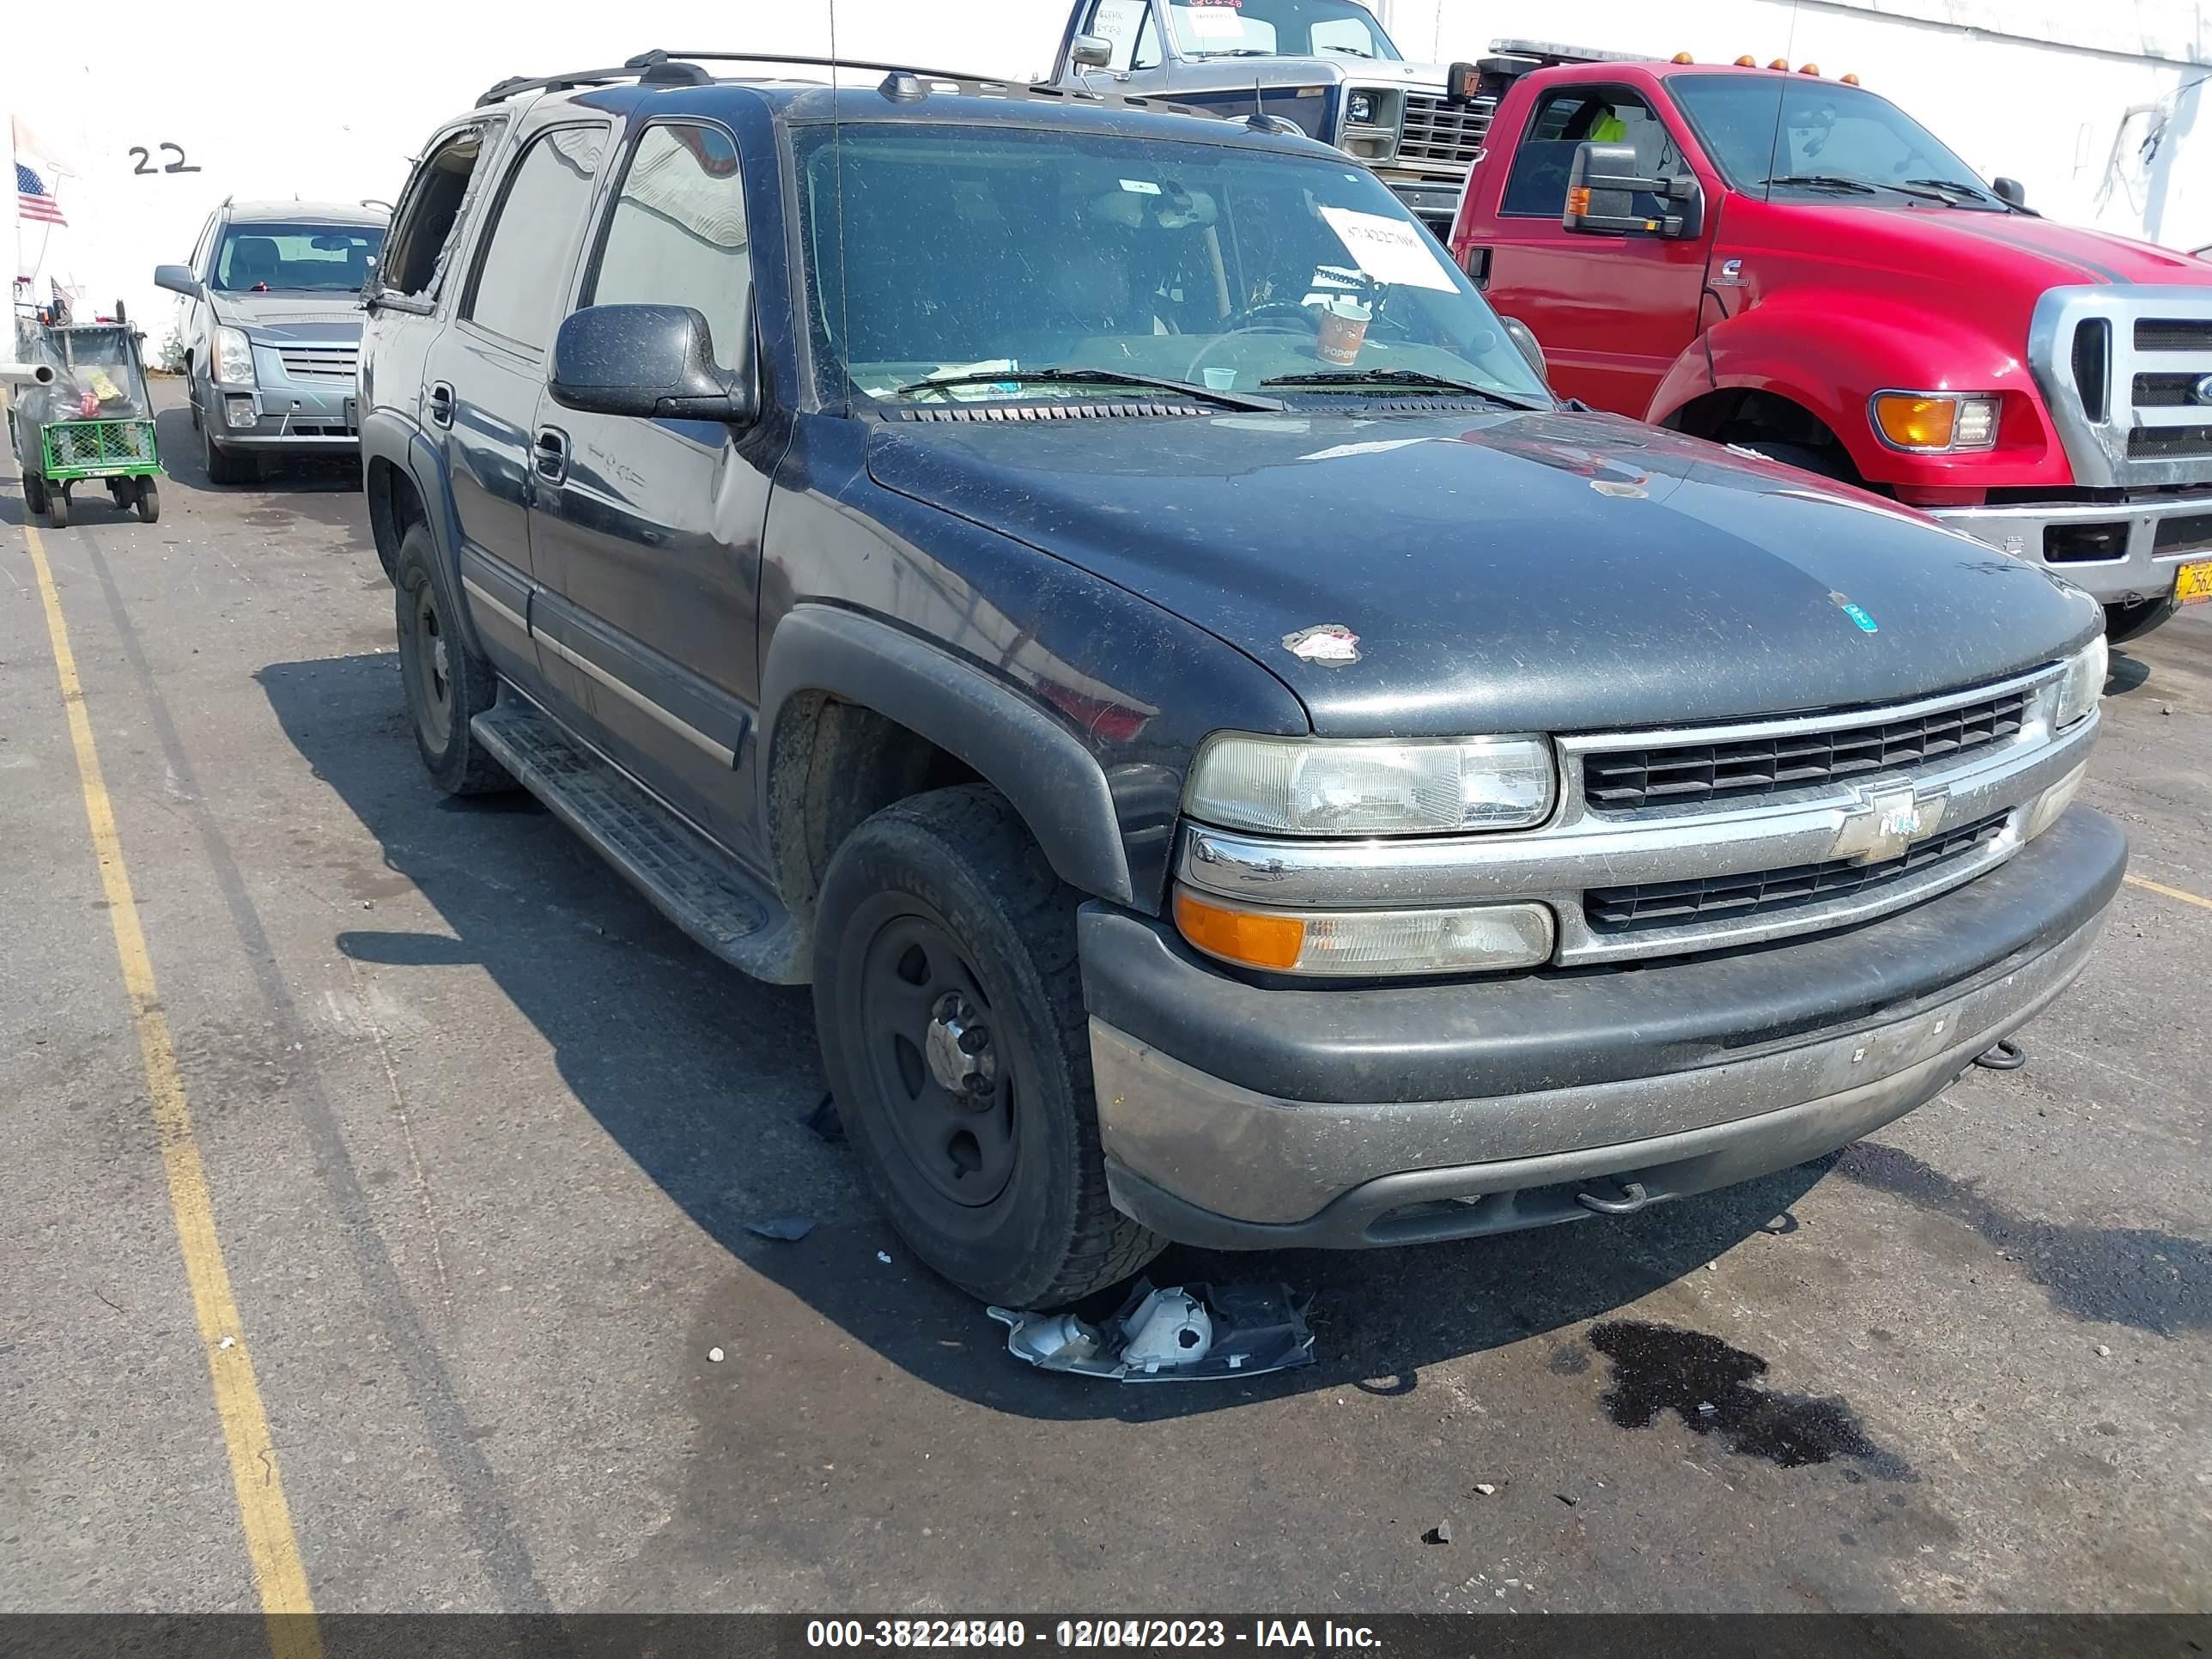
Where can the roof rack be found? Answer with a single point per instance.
(652, 68)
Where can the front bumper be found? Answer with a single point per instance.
(1240, 1116)
(1434, 205)
(2154, 537)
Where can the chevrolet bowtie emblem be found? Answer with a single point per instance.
(1885, 822)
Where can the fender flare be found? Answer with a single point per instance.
(385, 437)
(1053, 782)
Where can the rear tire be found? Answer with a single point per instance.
(448, 684)
(2124, 621)
(149, 501)
(35, 494)
(949, 1002)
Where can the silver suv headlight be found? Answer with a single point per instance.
(1319, 786)
(2083, 682)
(233, 357)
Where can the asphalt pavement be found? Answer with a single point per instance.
(480, 1134)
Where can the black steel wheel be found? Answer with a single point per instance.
(448, 684)
(949, 1002)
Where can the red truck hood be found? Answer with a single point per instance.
(2010, 252)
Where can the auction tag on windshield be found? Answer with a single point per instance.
(1215, 23)
(1389, 250)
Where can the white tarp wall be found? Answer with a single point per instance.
(331, 102)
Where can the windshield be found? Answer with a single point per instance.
(1276, 28)
(975, 251)
(296, 257)
(1764, 127)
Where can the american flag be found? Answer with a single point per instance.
(33, 200)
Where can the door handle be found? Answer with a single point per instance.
(550, 454)
(441, 405)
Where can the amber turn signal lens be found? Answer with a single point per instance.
(1245, 936)
(1578, 200)
(1911, 423)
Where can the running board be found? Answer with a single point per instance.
(685, 876)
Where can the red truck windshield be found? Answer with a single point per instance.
(1767, 133)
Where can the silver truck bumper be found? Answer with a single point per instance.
(2143, 542)
(1208, 1163)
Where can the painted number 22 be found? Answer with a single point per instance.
(146, 162)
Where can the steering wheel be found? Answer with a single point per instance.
(1266, 317)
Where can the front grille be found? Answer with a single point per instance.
(2173, 334)
(2169, 443)
(2167, 389)
(1731, 898)
(1623, 780)
(99, 443)
(303, 363)
(1436, 131)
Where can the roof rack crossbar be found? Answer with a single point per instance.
(659, 72)
(650, 59)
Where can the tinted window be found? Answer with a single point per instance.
(521, 278)
(1608, 115)
(422, 233)
(1762, 126)
(678, 236)
(1128, 24)
(295, 258)
(1290, 28)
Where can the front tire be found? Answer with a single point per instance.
(149, 502)
(949, 1002)
(448, 684)
(223, 466)
(57, 505)
(2126, 622)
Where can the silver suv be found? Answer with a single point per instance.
(274, 335)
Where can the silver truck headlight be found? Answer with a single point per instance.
(1307, 786)
(2083, 683)
(233, 357)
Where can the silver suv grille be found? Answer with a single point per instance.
(1438, 134)
(319, 363)
(2120, 366)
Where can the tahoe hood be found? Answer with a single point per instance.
(1503, 572)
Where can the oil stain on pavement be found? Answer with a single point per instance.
(1713, 1388)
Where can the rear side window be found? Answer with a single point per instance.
(677, 235)
(1537, 187)
(431, 209)
(1129, 26)
(523, 269)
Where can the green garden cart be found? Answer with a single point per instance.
(94, 421)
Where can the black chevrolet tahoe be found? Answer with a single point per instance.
(1095, 592)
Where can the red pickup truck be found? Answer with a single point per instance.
(1795, 265)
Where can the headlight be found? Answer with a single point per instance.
(1368, 944)
(1359, 109)
(1302, 788)
(233, 357)
(1937, 423)
(2084, 682)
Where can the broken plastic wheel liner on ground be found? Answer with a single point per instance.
(1184, 1333)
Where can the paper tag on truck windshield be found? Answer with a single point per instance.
(1214, 23)
(1389, 250)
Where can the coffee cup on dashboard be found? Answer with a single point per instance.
(1343, 329)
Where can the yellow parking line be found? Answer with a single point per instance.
(277, 1571)
(2200, 901)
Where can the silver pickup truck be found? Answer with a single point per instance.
(1325, 65)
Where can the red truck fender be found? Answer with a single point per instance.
(1828, 351)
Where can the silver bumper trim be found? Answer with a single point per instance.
(2143, 573)
(1255, 1159)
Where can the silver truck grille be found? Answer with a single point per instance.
(1438, 134)
(1703, 838)
(2118, 366)
(319, 363)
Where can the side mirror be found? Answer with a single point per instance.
(1462, 84)
(1092, 52)
(1602, 188)
(650, 361)
(1524, 341)
(178, 279)
(2009, 192)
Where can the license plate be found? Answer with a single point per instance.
(2192, 583)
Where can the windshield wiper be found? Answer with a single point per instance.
(1974, 191)
(1825, 181)
(1090, 377)
(1350, 52)
(1410, 380)
(1237, 52)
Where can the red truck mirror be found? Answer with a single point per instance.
(1462, 84)
(1606, 194)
